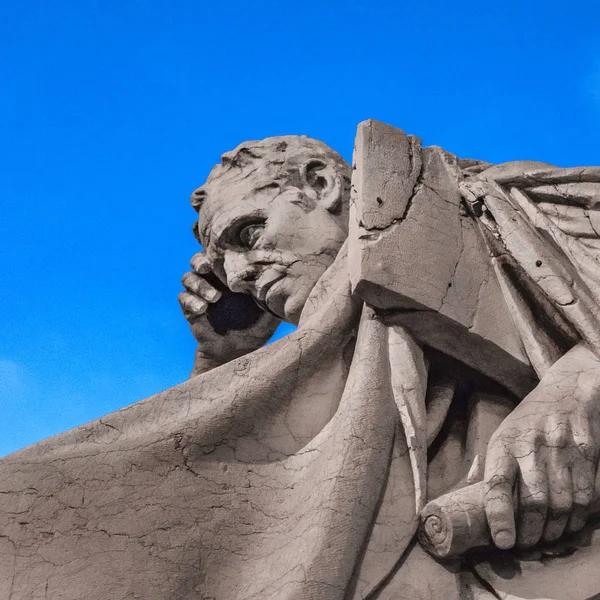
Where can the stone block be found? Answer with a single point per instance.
(419, 259)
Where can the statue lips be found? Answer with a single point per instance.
(263, 288)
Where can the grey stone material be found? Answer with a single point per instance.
(440, 283)
(430, 431)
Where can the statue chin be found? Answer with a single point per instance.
(294, 305)
(285, 305)
(287, 311)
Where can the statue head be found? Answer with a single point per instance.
(272, 218)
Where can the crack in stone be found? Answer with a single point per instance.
(416, 189)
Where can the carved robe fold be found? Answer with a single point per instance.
(259, 479)
(285, 474)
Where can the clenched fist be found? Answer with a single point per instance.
(226, 325)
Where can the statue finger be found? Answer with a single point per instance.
(500, 473)
(533, 500)
(200, 263)
(560, 496)
(192, 305)
(583, 479)
(198, 285)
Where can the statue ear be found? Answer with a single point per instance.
(322, 177)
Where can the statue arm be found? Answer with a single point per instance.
(548, 450)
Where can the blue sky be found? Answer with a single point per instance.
(112, 112)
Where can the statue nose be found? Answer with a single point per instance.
(197, 198)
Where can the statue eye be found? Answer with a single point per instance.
(250, 234)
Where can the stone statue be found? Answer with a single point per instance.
(431, 430)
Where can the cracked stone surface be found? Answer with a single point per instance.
(431, 430)
(426, 265)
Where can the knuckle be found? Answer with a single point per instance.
(553, 532)
(496, 514)
(191, 303)
(198, 260)
(187, 298)
(560, 507)
(498, 506)
(582, 499)
(586, 446)
(583, 477)
(534, 503)
(495, 480)
(559, 436)
(536, 435)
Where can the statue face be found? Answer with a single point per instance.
(271, 240)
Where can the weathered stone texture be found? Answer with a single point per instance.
(443, 384)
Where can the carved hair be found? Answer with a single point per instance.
(279, 158)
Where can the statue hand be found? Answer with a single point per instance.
(541, 462)
(226, 325)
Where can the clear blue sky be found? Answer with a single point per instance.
(112, 112)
